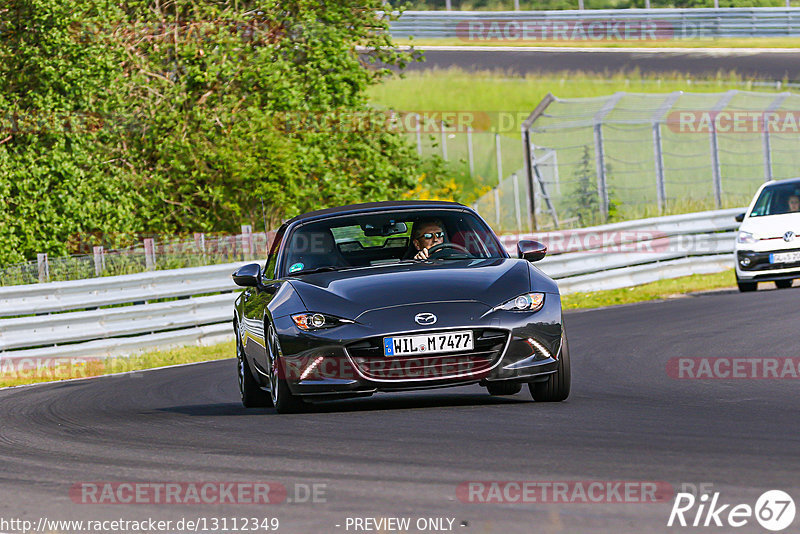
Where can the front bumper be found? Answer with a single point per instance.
(348, 360)
(755, 266)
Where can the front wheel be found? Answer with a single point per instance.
(746, 287)
(557, 386)
(282, 398)
(251, 393)
(784, 284)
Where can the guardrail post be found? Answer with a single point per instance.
(99, 260)
(149, 254)
(44, 267)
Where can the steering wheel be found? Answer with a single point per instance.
(441, 246)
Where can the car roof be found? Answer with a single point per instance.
(375, 206)
(784, 181)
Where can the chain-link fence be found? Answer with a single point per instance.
(629, 156)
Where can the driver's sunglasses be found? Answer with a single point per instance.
(431, 235)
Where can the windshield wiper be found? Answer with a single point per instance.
(317, 270)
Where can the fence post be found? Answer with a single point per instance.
(247, 241)
(517, 210)
(658, 153)
(471, 155)
(775, 104)
(715, 170)
(600, 163)
(99, 260)
(419, 134)
(149, 254)
(599, 154)
(200, 242)
(44, 267)
(527, 151)
(715, 165)
(444, 142)
(658, 156)
(499, 156)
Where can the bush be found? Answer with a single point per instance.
(180, 118)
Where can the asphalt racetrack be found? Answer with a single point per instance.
(763, 64)
(405, 455)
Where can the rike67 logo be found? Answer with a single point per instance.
(774, 510)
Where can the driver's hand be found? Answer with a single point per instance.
(422, 254)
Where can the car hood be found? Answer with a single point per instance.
(771, 226)
(351, 292)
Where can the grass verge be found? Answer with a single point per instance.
(762, 42)
(455, 89)
(663, 289)
(34, 370)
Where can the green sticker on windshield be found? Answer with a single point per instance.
(296, 267)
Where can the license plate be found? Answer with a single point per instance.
(427, 343)
(784, 257)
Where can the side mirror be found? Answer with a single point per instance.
(740, 217)
(248, 275)
(531, 250)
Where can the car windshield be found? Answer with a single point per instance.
(388, 237)
(777, 199)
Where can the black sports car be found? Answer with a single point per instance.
(392, 296)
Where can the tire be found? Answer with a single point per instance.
(251, 393)
(746, 287)
(783, 284)
(280, 395)
(556, 388)
(504, 388)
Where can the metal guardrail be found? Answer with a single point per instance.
(587, 259)
(576, 25)
(636, 252)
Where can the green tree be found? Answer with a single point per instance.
(178, 116)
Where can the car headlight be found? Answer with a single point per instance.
(529, 302)
(317, 321)
(746, 237)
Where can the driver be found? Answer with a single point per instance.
(794, 203)
(427, 233)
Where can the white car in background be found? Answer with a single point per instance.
(768, 241)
